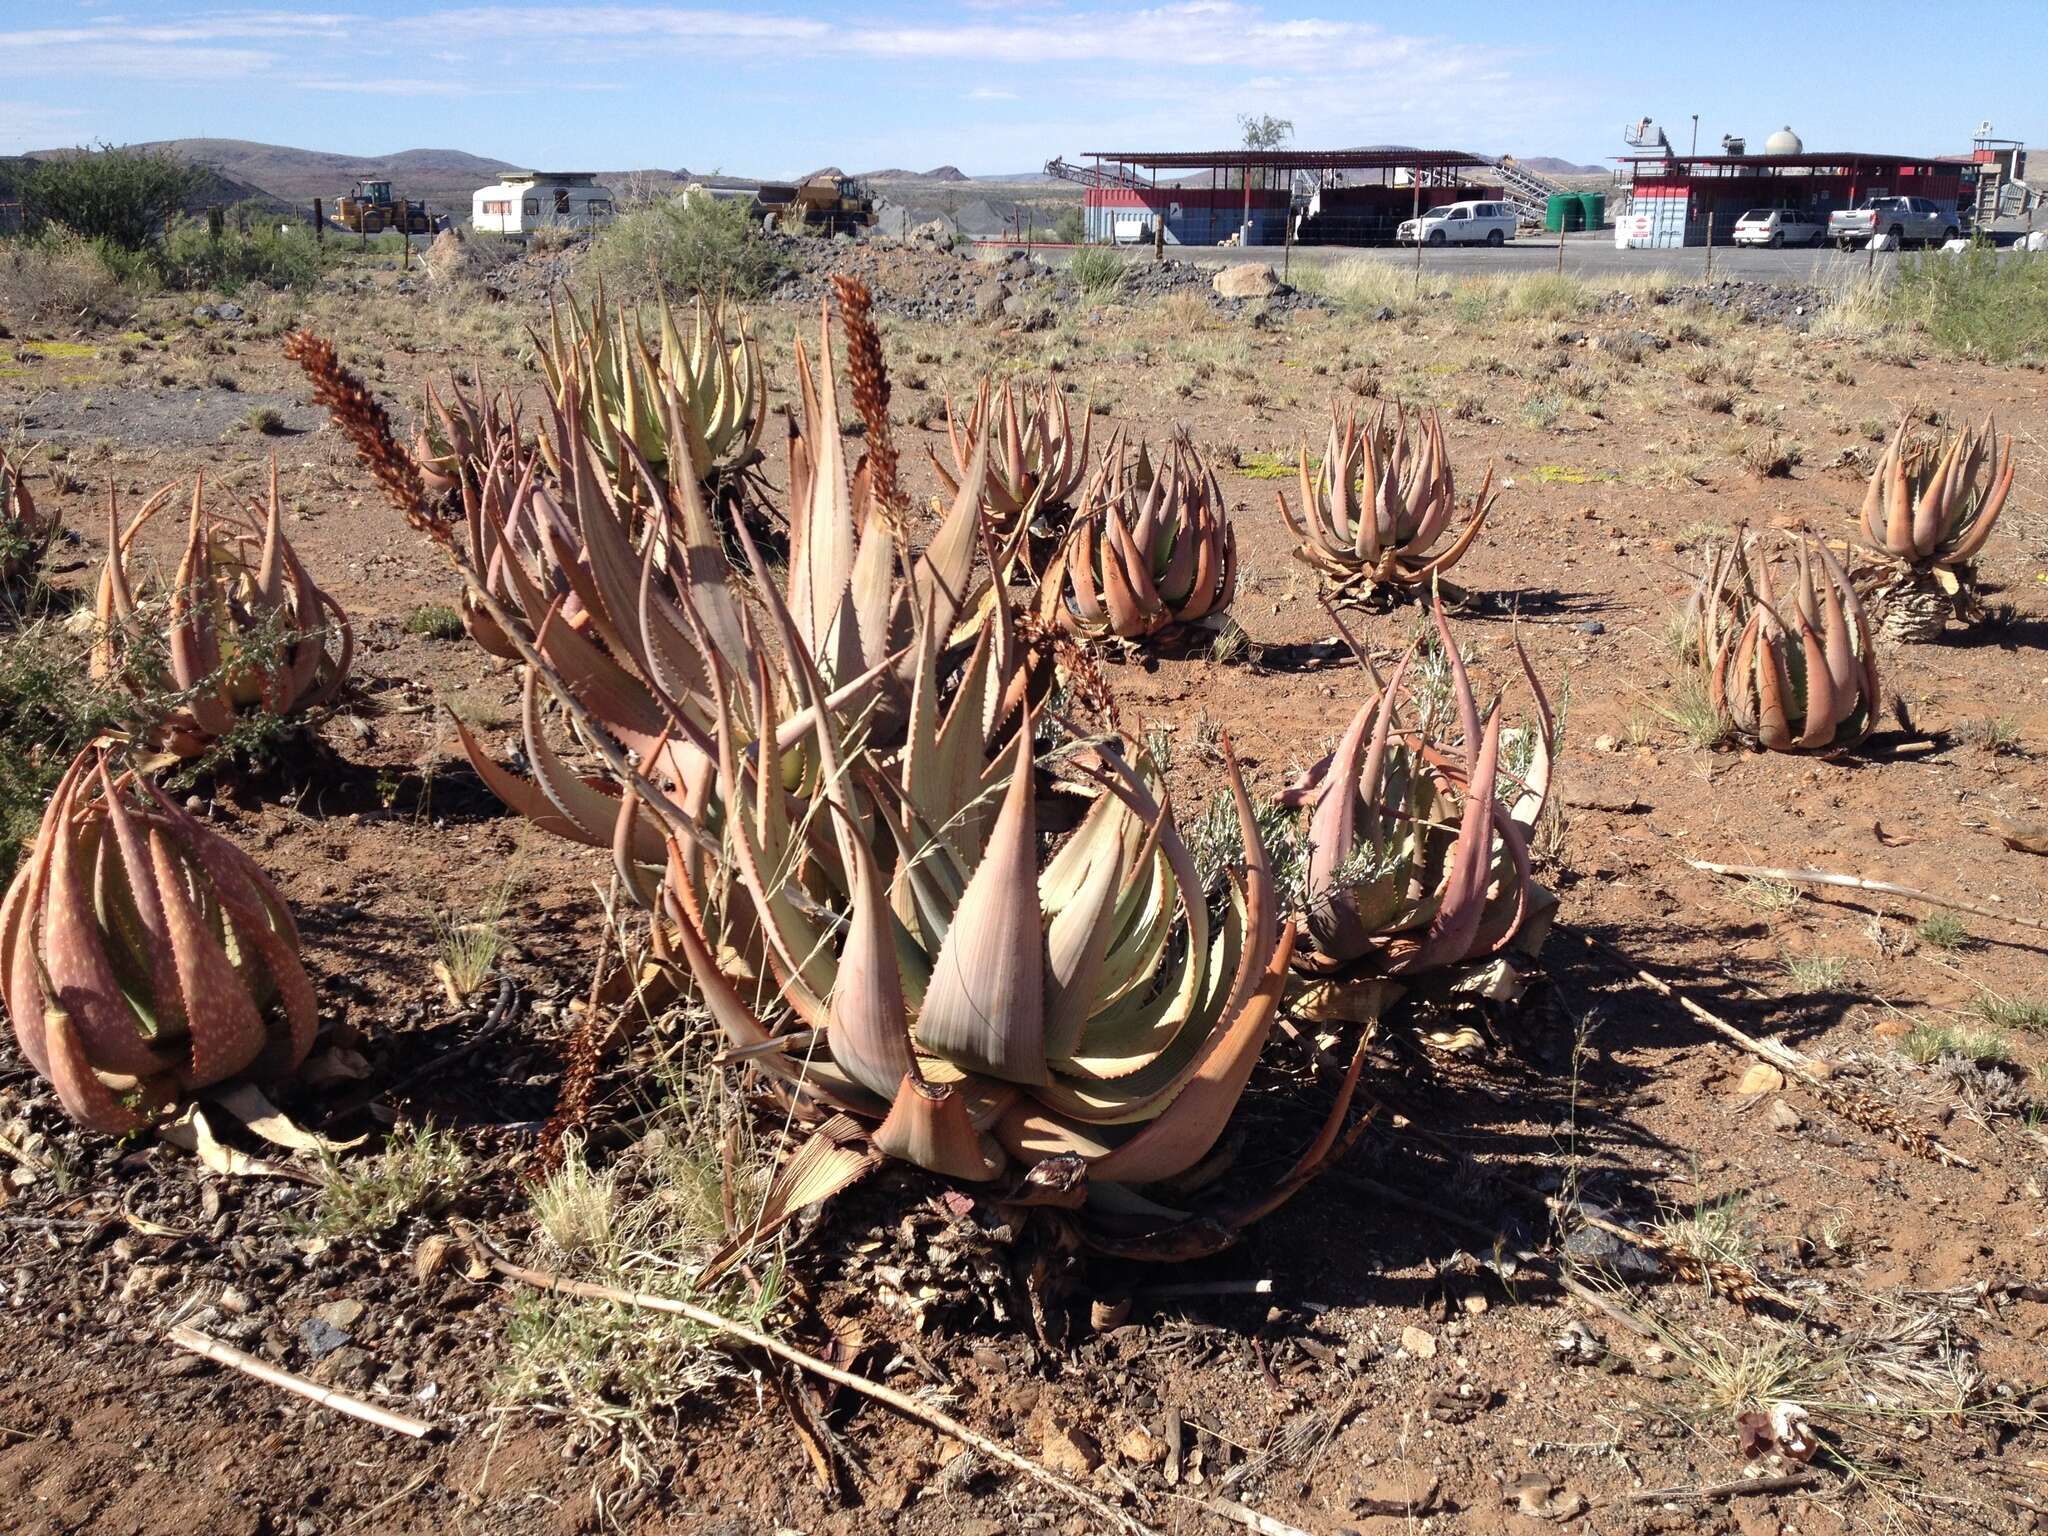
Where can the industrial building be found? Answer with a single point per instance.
(1267, 196)
(1678, 200)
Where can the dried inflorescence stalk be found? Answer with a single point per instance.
(868, 373)
(143, 956)
(366, 424)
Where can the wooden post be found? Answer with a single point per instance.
(1710, 237)
(1560, 245)
(1415, 214)
(1287, 235)
(319, 223)
(1158, 237)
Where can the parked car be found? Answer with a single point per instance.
(1781, 226)
(1904, 218)
(1460, 224)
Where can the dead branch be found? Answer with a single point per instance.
(186, 1337)
(1852, 1105)
(909, 1407)
(1251, 1519)
(1858, 883)
(1741, 1487)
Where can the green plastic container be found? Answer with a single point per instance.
(1562, 212)
(1594, 205)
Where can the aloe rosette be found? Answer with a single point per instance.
(243, 627)
(1375, 510)
(1037, 464)
(1148, 550)
(1929, 509)
(25, 532)
(1792, 673)
(1072, 1024)
(1419, 861)
(690, 404)
(143, 957)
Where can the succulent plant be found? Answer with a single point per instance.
(628, 608)
(692, 406)
(1147, 551)
(1036, 465)
(1376, 507)
(1929, 508)
(1797, 674)
(242, 629)
(143, 956)
(1418, 836)
(24, 531)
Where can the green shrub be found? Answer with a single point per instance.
(49, 710)
(191, 257)
(686, 246)
(1976, 303)
(1097, 271)
(56, 274)
(125, 197)
(1071, 227)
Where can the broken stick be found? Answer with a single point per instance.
(186, 1337)
(1858, 883)
(909, 1407)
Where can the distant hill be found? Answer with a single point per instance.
(939, 173)
(441, 177)
(1550, 165)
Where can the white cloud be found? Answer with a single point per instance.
(990, 93)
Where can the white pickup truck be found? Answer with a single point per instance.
(1903, 218)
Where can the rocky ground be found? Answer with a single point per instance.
(1436, 1336)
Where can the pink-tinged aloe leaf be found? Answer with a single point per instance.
(866, 1028)
(984, 1008)
(928, 1125)
(834, 1157)
(1773, 685)
(1817, 722)
(84, 1097)
(1986, 515)
(1451, 931)
(150, 937)
(1076, 941)
(86, 988)
(822, 1079)
(262, 922)
(940, 576)
(593, 811)
(225, 1031)
(521, 795)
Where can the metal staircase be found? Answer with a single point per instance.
(1525, 191)
(1093, 175)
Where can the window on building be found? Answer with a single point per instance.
(599, 208)
(533, 205)
(561, 200)
(497, 207)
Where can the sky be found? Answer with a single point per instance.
(783, 86)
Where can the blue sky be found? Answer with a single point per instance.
(1000, 85)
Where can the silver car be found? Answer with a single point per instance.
(1903, 218)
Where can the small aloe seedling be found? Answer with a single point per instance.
(1929, 508)
(143, 956)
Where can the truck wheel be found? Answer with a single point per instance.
(373, 223)
(1437, 237)
(1495, 237)
(1951, 233)
(1777, 239)
(1898, 234)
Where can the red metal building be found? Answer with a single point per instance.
(1677, 199)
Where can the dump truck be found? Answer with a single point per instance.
(368, 208)
(827, 201)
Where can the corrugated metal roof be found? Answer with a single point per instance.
(1378, 158)
(1807, 159)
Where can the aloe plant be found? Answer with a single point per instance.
(1929, 509)
(1037, 465)
(687, 406)
(242, 629)
(1148, 551)
(1419, 862)
(143, 956)
(1377, 506)
(1796, 673)
(25, 532)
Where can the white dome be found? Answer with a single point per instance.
(1783, 142)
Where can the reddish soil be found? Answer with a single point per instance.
(1387, 1351)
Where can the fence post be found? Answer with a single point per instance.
(319, 223)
